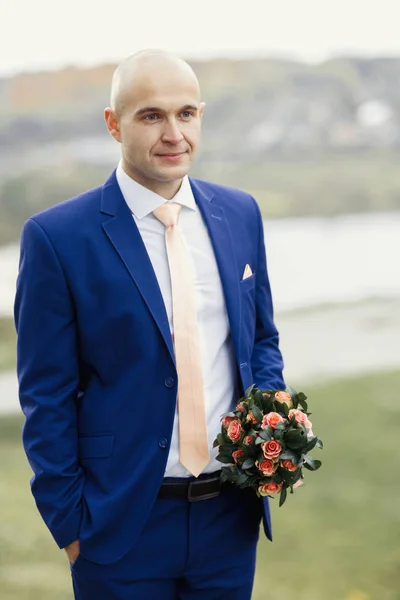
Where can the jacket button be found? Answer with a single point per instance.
(163, 443)
(169, 382)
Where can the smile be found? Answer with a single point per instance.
(172, 156)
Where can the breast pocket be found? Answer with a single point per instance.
(248, 283)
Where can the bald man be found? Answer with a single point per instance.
(143, 311)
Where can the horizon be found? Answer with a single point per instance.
(83, 65)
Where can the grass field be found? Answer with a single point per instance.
(337, 538)
(7, 343)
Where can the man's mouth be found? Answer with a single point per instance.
(171, 156)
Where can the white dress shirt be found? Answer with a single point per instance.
(218, 361)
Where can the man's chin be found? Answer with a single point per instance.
(173, 173)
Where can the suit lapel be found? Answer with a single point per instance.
(123, 233)
(222, 242)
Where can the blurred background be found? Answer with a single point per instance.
(303, 112)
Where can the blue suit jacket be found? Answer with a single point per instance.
(96, 368)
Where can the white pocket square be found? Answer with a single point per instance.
(247, 272)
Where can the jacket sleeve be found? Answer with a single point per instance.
(266, 359)
(48, 377)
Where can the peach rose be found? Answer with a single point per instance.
(267, 467)
(237, 454)
(284, 397)
(271, 449)
(234, 430)
(269, 488)
(251, 417)
(288, 465)
(299, 415)
(248, 440)
(240, 407)
(227, 420)
(272, 419)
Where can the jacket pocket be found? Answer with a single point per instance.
(248, 283)
(96, 446)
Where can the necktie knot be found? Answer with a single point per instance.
(168, 213)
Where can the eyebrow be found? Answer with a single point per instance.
(155, 109)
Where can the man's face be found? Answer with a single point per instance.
(159, 128)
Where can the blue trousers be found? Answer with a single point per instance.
(203, 550)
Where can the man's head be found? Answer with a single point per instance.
(155, 114)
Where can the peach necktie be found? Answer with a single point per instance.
(193, 442)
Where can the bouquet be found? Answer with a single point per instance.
(265, 442)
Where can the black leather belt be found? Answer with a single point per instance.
(204, 487)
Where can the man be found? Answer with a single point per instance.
(143, 312)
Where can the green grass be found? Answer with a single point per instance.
(337, 538)
(7, 343)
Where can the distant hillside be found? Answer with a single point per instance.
(306, 139)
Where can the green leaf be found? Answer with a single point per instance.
(221, 439)
(319, 443)
(295, 439)
(312, 442)
(258, 398)
(278, 435)
(258, 441)
(215, 444)
(317, 464)
(242, 479)
(310, 461)
(224, 475)
(265, 435)
(249, 390)
(267, 404)
(257, 413)
(281, 407)
(223, 458)
(306, 466)
(283, 495)
(248, 463)
(302, 401)
(290, 455)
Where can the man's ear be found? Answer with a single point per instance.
(112, 123)
(201, 109)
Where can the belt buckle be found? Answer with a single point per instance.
(192, 486)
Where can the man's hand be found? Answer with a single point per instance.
(72, 551)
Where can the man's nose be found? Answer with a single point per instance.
(172, 134)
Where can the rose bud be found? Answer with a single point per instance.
(251, 417)
(227, 420)
(269, 488)
(272, 419)
(234, 430)
(299, 415)
(288, 465)
(237, 454)
(271, 449)
(267, 467)
(284, 397)
(248, 440)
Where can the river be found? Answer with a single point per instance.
(336, 289)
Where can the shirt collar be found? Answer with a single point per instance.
(142, 201)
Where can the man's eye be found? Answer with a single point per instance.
(187, 114)
(152, 117)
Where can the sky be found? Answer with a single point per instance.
(49, 34)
